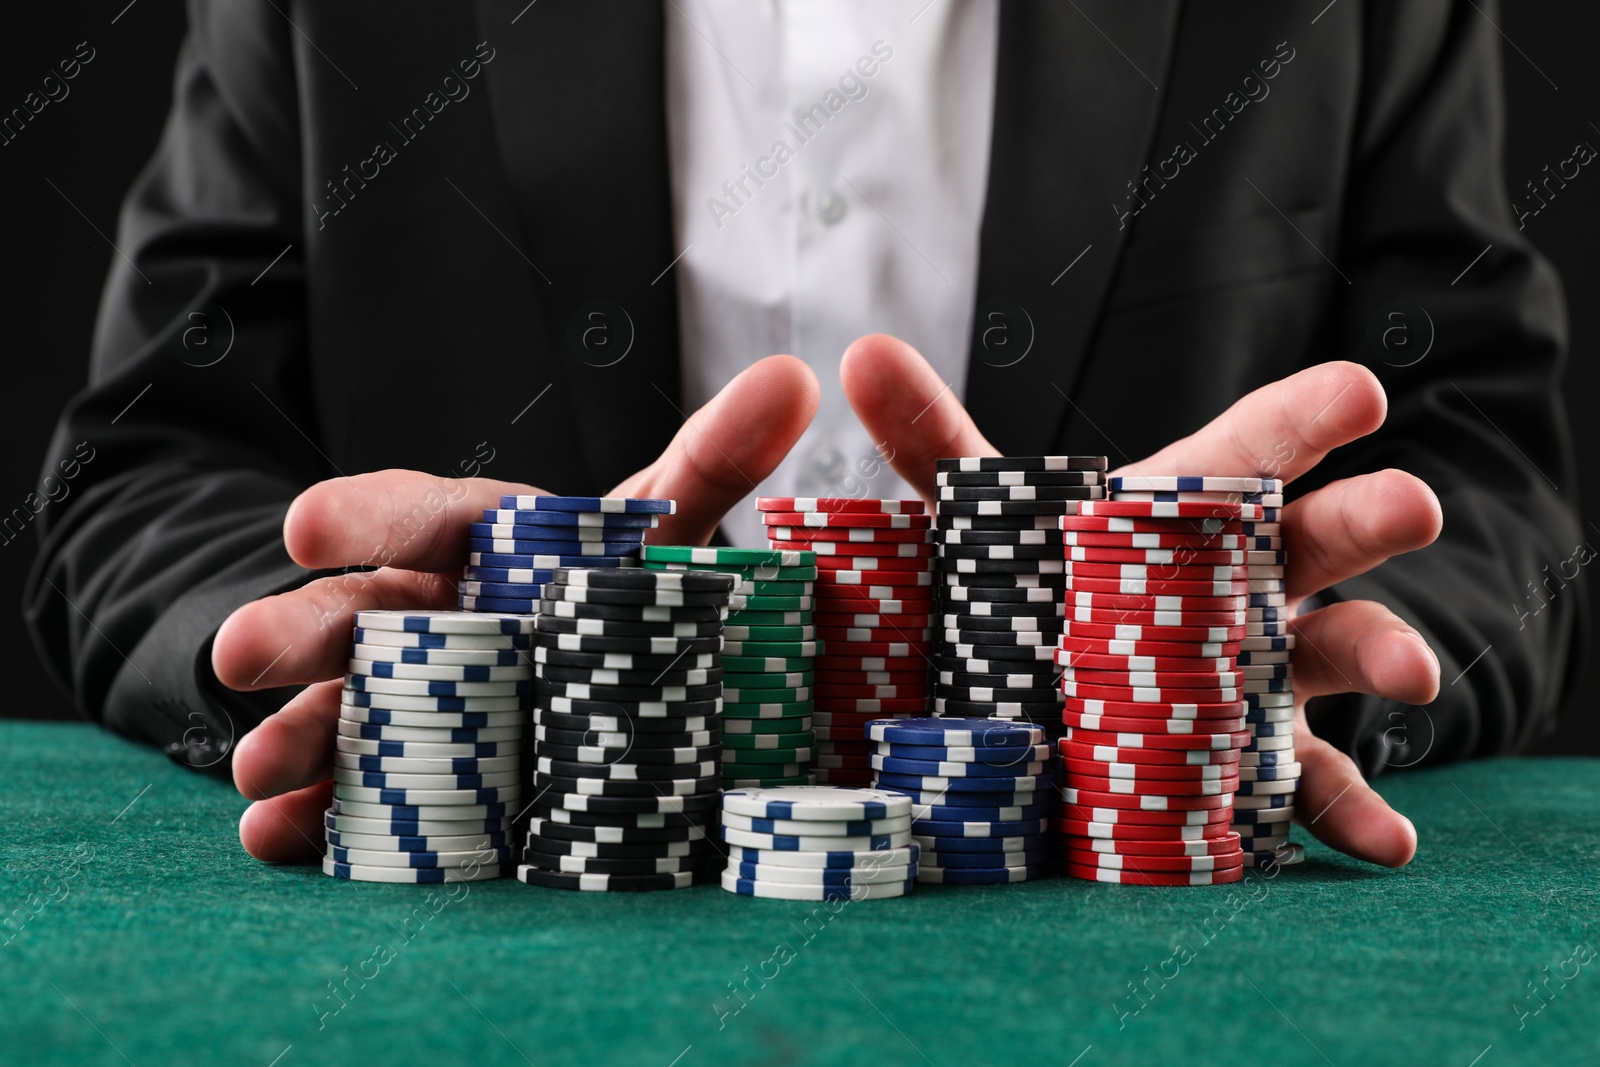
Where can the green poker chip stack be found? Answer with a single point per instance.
(768, 659)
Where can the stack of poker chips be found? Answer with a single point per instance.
(874, 616)
(818, 843)
(767, 659)
(1154, 704)
(627, 692)
(980, 791)
(1268, 773)
(516, 548)
(1001, 581)
(428, 753)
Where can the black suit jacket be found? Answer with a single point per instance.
(366, 234)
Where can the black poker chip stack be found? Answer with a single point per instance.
(627, 730)
(1001, 582)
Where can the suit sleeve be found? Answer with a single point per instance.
(1473, 372)
(190, 439)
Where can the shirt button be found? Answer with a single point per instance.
(830, 207)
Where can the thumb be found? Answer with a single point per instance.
(909, 410)
(724, 450)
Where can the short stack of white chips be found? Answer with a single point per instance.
(818, 843)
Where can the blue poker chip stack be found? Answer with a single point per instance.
(517, 548)
(627, 730)
(980, 793)
(818, 843)
(1002, 582)
(427, 759)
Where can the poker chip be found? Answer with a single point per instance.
(1079, 598)
(1020, 463)
(452, 765)
(996, 829)
(828, 891)
(1266, 500)
(1152, 773)
(816, 827)
(619, 810)
(1140, 757)
(939, 867)
(1183, 509)
(857, 520)
(1155, 878)
(751, 579)
(873, 874)
(1286, 856)
(611, 883)
(423, 876)
(852, 535)
(1116, 861)
(613, 521)
(842, 576)
(1225, 845)
(482, 554)
(998, 523)
(1119, 833)
(442, 622)
(1153, 539)
(1008, 508)
(1156, 586)
(412, 639)
(1018, 478)
(1094, 661)
(960, 850)
(980, 875)
(459, 814)
(1194, 483)
(424, 749)
(646, 837)
(590, 504)
(442, 714)
(450, 657)
(1140, 632)
(743, 632)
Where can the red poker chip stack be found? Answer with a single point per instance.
(874, 617)
(1154, 699)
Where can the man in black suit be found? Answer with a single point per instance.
(313, 348)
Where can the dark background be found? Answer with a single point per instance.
(92, 143)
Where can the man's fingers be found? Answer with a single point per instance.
(1348, 527)
(1360, 646)
(1335, 803)
(292, 748)
(726, 448)
(392, 518)
(1281, 430)
(287, 828)
(303, 635)
(911, 412)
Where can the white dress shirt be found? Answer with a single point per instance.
(829, 162)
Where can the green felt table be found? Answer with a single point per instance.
(139, 933)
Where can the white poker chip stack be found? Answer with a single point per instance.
(427, 760)
(818, 843)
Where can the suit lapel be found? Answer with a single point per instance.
(1074, 118)
(578, 95)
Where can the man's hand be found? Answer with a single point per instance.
(1343, 529)
(416, 525)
